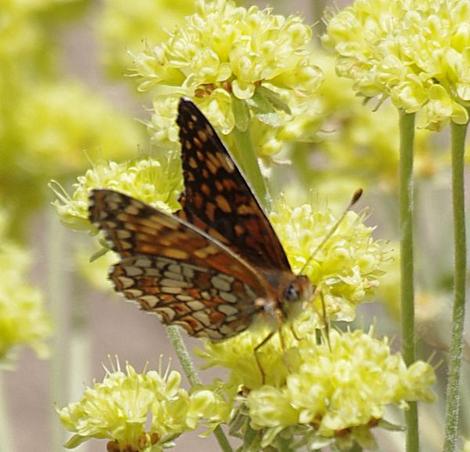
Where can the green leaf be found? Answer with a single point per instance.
(75, 441)
(274, 99)
(391, 427)
(241, 113)
(98, 254)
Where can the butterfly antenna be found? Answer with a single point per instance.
(355, 198)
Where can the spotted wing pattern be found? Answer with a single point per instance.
(164, 258)
(218, 200)
(206, 303)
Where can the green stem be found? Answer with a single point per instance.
(246, 158)
(407, 125)
(318, 7)
(190, 371)
(460, 263)
(6, 442)
(57, 283)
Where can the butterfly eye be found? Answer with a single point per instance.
(291, 293)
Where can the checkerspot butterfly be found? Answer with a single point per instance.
(215, 264)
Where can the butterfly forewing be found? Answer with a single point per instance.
(165, 261)
(217, 199)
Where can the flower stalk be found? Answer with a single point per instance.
(6, 440)
(407, 125)
(458, 132)
(57, 294)
(174, 334)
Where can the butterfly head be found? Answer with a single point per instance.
(298, 289)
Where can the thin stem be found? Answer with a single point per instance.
(57, 294)
(181, 350)
(190, 371)
(6, 442)
(407, 124)
(246, 158)
(460, 263)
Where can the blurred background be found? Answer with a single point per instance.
(66, 103)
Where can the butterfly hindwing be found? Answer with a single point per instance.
(217, 199)
(204, 302)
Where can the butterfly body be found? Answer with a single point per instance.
(214, 265)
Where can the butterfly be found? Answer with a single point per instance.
(216, 264)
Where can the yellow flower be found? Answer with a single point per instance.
(140, 412)
(154, 182)
(125, 25)
(416, 52)
(65, 125)
(23, 319)
(241, 66)
(316, 392)
(346, 269)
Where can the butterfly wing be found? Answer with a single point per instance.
(217, 198)
(150, 242)
(206, 303)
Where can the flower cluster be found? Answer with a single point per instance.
(23, 319)
(125, 25)
(320, 393)
(240, 65)
(48, 125)
(140, 412)
(346, 269)
(155, 182)
(415, 51)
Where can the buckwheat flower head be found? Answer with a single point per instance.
(416, 52)
(346, 269)
(340, 390)
(154, 182)
(124, 25)
(140, 412)
(313, 394)
(23, 318)
(65, 124)
(236, 63)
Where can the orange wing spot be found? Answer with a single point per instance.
(223, 204)
(205, 252)
(225, 162)
(205, 173)
(218, 185)
(211, 166)
(205, 189)
(192, 162)
(198, 200)
(199, 155)
(197, 142)
(229, 184)
(174, 253)
(188, 144)
(210, 211)
(245, 210)
(209, 131)
(202, 135)
(239, 230)
(216, 317)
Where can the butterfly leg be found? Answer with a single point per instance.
(325, 319)
(258, 362)
(294, 333)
